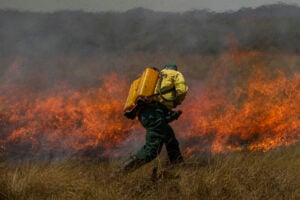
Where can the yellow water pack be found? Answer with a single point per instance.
(142, 87)
(132, 95)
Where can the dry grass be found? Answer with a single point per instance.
(239, 175)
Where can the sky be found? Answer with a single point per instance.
(123, 5)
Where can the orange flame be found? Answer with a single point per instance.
(241, 107)
(70, 121)
(260, 113)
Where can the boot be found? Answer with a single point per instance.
(176, 159)
(130, 165)
(174, 154)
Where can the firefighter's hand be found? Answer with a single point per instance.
(173, 115)
(130, 115)
(142, 101)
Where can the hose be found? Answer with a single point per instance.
(164, 92)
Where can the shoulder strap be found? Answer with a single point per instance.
(162, 92)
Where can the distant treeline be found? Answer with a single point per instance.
(272, 27)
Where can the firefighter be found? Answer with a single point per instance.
(155, 116)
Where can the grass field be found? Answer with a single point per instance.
(238, 175)
(64, 82)
(251, 102)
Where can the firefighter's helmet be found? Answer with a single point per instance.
(170, 65)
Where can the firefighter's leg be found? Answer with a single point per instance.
(172, 146)
(153, 120)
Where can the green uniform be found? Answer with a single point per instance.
(153, 118)
(158, 132)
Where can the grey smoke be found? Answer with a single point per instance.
(79, 48)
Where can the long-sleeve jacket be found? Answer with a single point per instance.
(173, 82)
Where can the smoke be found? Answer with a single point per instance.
(65, 76)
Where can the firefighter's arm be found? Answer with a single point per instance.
(180, 87)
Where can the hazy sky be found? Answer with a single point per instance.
(122, 5)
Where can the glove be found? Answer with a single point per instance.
(173, 115)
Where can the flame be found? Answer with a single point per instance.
(242, 106)
(260, 113)
(63, 120)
